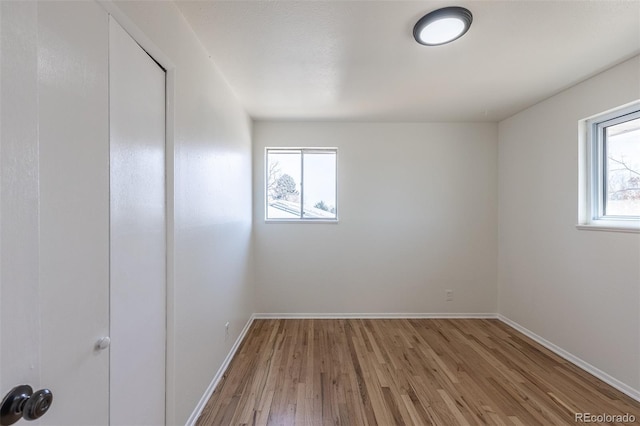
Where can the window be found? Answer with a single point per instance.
(301, 184)
(613, 169)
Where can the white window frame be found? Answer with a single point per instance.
(592, 172)
(303, 151)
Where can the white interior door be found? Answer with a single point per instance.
(54, 205)
(138, 246)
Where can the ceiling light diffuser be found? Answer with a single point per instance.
(442, 26)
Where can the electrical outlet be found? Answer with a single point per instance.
(449, 295)
(226, 331)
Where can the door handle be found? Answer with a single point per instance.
(22, 402)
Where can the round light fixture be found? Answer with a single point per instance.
(442, 26)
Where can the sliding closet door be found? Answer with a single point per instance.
(138, 247)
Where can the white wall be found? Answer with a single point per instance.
(418, 215)
(578, 289)
(212, 210)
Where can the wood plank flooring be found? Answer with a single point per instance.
(403, 372)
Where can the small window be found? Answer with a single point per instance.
(613, 151)
(301, 184)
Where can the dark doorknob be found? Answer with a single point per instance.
(22, 402)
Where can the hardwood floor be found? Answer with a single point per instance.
(403, 372)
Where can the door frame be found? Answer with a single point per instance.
(163, 60)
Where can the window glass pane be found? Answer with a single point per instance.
(283, 184)
(622, 148)
(319, 182)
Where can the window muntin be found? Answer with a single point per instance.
(301, 184)
(613, 173)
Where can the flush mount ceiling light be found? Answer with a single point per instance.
(442, 26)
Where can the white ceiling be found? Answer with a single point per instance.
(357, 60)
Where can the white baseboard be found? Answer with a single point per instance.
(622, 387)
(218, 376)
(373, 315)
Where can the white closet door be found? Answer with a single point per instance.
(138, 247)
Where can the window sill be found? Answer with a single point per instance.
(323, 221)
(608, 226)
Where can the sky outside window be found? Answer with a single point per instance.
(623, 169)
